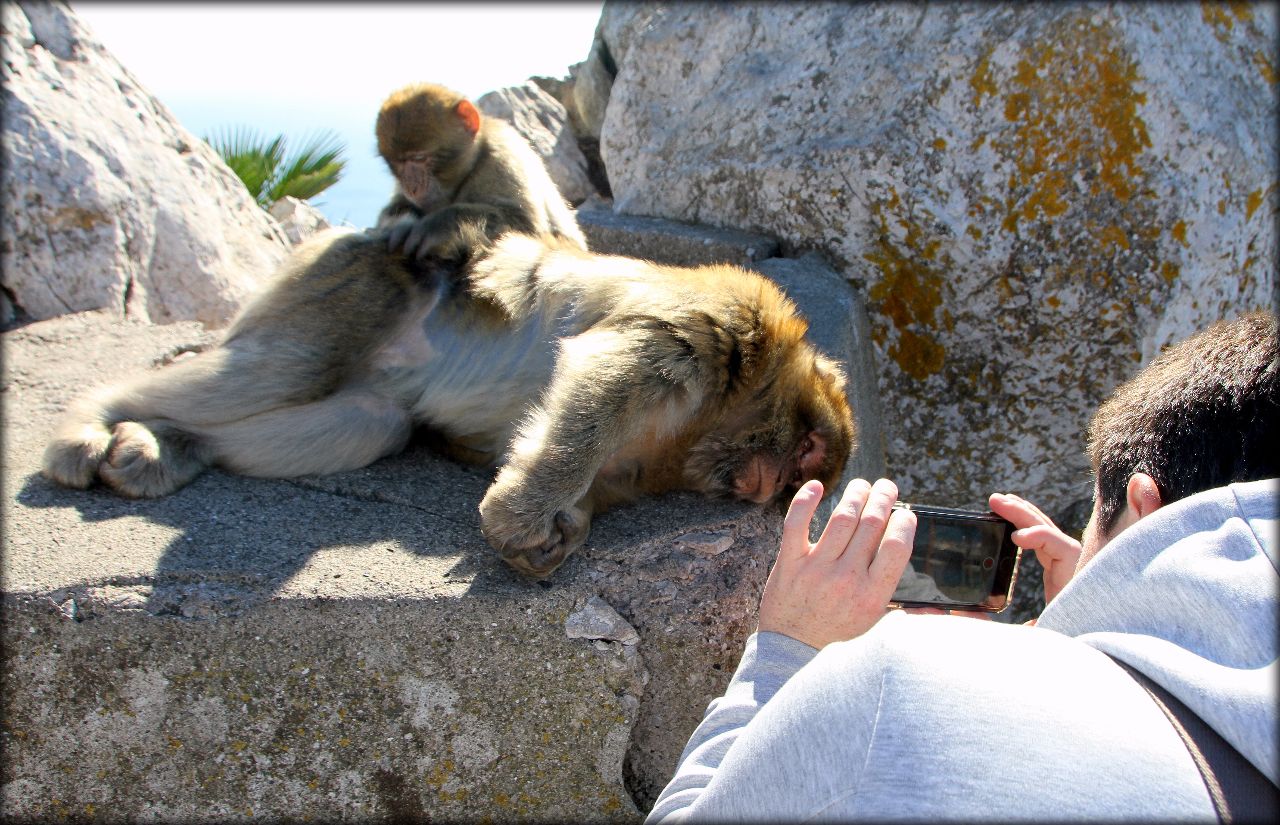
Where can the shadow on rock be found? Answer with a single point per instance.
(244, 540)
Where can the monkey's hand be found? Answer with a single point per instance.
(435, 238)
(534, 544)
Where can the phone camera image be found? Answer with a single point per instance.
(960, 559)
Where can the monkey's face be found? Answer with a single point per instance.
(425, 133)
(413, 171)
(796, 428)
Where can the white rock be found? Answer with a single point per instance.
(598, 620)
(542, 121)
(299, 219)
(108, 201)
(1034, 197)
(707, 544)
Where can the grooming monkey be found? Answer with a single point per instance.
(462, 179)
(588, 380)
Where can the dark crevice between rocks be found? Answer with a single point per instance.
(14, 315)
(641, 795)
(127, 298)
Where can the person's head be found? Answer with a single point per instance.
(1202, 415)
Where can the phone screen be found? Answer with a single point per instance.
(960, 559)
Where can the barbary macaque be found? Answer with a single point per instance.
(462, 179)
(587, 380)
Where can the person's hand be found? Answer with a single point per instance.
(839, 587)
(1056, 551)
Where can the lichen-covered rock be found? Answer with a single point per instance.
(1034, 197)
(108, 201)
(543, 121)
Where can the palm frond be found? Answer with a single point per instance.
(312, 169)
(261, 163)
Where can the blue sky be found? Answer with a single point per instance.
(296, 68)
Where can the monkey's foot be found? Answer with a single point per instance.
(73, 461)
(533, 552)
(142, 465)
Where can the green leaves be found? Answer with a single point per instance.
(269, 173)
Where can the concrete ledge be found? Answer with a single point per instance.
(345, 647)
(671, 242)
(348, 647)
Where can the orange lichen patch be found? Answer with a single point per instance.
(1265, 67)
(909, 292)
(74, 217)
(1251, 203)
(1219, 15)
(1053, 301)
(1169, 271)
(918, 355)
(939, 144)
(982, 82)
(974, 231)
(1179, 232)
(1073, 104)
(1113, 235)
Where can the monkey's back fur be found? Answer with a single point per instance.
(587, 379)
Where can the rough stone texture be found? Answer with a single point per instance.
(543, 122)
(344, 647)
(108, 202)
(1033, 197)
(597, 620)
(298, 219)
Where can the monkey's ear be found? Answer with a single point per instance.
(469, 115)
(830, 371)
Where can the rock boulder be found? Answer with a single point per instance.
(1033, 198)
(543, 121)
(108, 202)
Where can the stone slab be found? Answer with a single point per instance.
(343, 648)
(671, 242)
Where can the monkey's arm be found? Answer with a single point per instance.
(457, 232)
(611, 387)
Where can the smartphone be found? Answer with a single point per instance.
(961, 560)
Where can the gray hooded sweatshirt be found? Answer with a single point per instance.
(930, 717)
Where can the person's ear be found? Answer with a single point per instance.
(1142, 495)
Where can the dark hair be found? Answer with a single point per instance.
(1202, 415)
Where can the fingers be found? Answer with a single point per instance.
(417, 241)
(1017, 510)
(1049, 543)
(795, 527)
(398, 232)
(844, 519)
(870, 526)
(895, 550)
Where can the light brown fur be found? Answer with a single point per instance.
(462, 179)
(589, 380)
